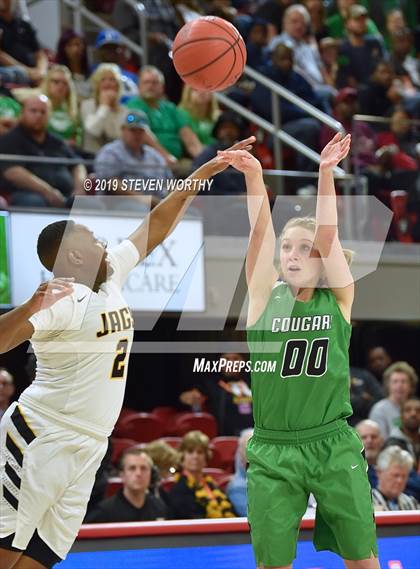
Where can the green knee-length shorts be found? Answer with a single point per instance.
(284, 468)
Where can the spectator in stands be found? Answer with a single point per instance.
(109, 49)
(130, 157)
(165, 458)
(22, 60)
(397, 158)
(373, 443)
(38, 184)
(365, 391)
(328, 49)
(162, 27)
(175, 136)
(10, 110)
(307, 60)
(393, 467)
(256, 44)
(134, 502)
(201, 111)
(408, 435)
(381, 93)
(295, 121)
(226, 394)
(378, 360)
(236, 489)
(272, 12)
(64, 119)
(359, 52)
(400, 381)
(336, 22)
(196, 495)
(7, 390)
(72, 52)
(394, 22)
(317, 12)
(406, 68)
(229, 128)
(102, 114)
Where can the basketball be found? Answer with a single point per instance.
(209, 54)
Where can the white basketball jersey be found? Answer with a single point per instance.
(82, 345)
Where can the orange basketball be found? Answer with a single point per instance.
(209, 54)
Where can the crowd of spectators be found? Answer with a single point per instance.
(186, 477)
(344, 57)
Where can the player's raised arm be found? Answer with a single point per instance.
(337, 271)
(164, 218)
(260, 271)
(15, 326)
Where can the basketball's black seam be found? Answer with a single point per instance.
(230, 35)
(231, 46)
(198, 40)
(230, 70)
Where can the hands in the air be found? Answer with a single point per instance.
(50, 292)
(335, 151)
(240, 158)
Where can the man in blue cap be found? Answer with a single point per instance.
(132, 161)
(109, 49)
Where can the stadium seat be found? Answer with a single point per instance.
(173, 442)
(401, 221)
(224, 449)
(142, 427)
(167, 415)
(125, 412)
(114, 484)
(203, 422)
(167, 483)
(118, 447)
(218, 474)
(224, 481)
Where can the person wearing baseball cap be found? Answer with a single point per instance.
(132, 161)
(336, 22)
(110, 49)
(360, 50)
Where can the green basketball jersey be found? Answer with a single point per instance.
(304, 348)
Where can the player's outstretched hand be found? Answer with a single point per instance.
(335, 151)
(50, 292)
(241, 160)
(222, 161)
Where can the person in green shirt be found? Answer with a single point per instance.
(9, 113)
(175, 137)
(64, 120)
(336, 22)
(201, 110)
(301, 326)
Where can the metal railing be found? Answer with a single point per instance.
(80, 12)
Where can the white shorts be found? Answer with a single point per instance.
(47, 473)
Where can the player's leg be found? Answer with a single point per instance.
(28, 563)
(345, 522)
(372, 563)
(276, 502)
(8, 558)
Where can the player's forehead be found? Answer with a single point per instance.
(80, 230)
(298, 233)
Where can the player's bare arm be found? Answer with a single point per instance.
(261, 273)
(164, 218)
(337, 271)
(15, 327)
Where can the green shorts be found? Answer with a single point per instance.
(284, 468)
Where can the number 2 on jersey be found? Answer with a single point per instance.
(295, 353)
(118, 368)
